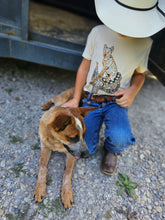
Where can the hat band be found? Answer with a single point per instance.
(134, 8)
(142, 9)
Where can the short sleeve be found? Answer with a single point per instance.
(89, 48)
(143, 65)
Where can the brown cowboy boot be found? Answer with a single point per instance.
(109, 162)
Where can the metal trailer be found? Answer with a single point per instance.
(44, 34)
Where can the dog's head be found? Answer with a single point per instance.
(67, 126)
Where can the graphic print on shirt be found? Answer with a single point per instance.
(108, 80)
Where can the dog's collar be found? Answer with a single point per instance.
(68, 149)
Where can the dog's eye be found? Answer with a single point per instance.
(73, 139)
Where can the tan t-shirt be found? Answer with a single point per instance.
(114, 58)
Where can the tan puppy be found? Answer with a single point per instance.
(61, 129)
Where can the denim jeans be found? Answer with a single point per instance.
(117, 127)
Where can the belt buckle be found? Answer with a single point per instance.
(92, 98)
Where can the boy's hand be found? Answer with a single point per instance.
(125, 97)
(71, 103)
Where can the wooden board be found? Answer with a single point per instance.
(57, 23)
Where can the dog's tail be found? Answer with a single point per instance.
(59, 99)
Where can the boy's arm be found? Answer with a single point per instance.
(80, 82)
(125, 97)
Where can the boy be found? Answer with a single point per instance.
(113, 70)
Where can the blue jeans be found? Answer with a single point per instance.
(117, 128)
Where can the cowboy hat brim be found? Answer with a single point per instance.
(130, 22)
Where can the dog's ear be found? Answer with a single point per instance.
(61, 122)
(85, 110)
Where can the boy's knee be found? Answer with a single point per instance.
(121, 139)
(118, 141)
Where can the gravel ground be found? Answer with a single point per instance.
(23, 88)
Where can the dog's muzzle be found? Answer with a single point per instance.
(77, 153)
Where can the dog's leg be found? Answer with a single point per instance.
(40, 189)
(66, 193)
(59, 99)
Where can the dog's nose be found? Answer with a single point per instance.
(84, 154)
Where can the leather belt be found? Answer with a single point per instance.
(97, 98)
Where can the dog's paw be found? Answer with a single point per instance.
(67, 197)
(47, 105)
(39, 192)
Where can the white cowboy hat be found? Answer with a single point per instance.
(134, 18)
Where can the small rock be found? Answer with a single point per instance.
(1, 121)
(22, 186)
(159, 209)
(50, 216)
(147, 180)
(163, 165)
(156, 203)
(149, 207)
(81, 172)
(142, 156)
(1, 212)
(145, 218)
(2, 164)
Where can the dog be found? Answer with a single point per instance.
(61, 129)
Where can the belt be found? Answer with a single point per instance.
(97, 98)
